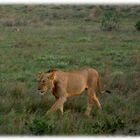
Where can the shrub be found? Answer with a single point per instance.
(41, 126)
(137, 25)
(109, 21)
(112, 124)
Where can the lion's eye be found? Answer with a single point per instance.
(43, 81)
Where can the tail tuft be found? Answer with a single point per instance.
(99, 87)
(108, 91)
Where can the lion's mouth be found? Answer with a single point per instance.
(41, 93)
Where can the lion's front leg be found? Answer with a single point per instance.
(57, 105)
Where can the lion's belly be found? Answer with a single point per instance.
(76, 86)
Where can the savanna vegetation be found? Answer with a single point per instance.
(36, 38)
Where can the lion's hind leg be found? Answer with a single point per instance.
(89, 104)
(92, 98)
(96, 100)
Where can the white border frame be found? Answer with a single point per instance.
(77, 2)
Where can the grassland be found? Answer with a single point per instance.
(38, 38)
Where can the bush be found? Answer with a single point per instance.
(137, 25)
(109, 21)
(41, 126)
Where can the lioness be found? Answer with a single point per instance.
(67, 84)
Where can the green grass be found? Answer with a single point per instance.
(60, 37)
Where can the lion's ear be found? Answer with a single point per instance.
(52, 75)
(39, 75)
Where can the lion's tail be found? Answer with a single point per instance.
(99, 87)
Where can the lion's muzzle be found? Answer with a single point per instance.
(41, 93)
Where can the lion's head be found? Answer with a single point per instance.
(45, 81)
